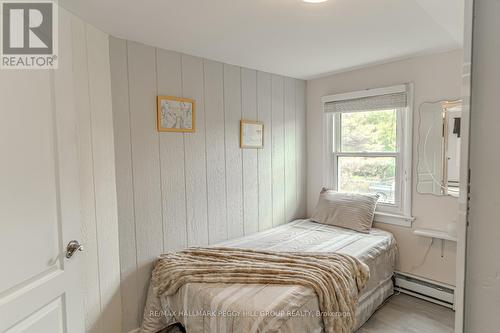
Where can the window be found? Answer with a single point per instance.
(368, 148)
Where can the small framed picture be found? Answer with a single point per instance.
(251, 134)
(176, 114)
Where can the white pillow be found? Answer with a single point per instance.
(347, 210)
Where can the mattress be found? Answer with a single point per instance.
(201, 307)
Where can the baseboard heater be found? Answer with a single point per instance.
(425, 289)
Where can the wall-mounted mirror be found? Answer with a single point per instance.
(438, 166)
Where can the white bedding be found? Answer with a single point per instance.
(226, 308)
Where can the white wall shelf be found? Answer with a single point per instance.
(443, 235)
(436, 234)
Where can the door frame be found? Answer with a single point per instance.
(463, 200)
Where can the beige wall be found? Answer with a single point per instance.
(436, 77)
(177, 190)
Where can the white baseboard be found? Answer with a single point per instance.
(425, 298)
(428, 290)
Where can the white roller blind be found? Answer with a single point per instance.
(372, 103)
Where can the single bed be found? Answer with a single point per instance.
(202, 307)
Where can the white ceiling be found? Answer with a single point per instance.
(286, 37)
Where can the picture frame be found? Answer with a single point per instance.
(176, 114)
(251, 134)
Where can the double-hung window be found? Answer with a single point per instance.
(368, 147)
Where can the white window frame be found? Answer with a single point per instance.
(400, 213)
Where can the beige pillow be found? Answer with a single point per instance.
(347, 210)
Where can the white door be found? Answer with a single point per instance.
(40, 289)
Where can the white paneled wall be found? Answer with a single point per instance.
(177, 190)
(278, 149)
(89, 50)
(264, 156)
(234, 163)
(250, 156)
(301, 146)
(290, 151)
(215, 149)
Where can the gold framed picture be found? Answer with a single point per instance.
(251, 134)
(176, 114)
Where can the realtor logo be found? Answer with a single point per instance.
(29, 38)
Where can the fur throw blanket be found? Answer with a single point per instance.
(337, 279)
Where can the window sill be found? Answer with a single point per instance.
(394, 219)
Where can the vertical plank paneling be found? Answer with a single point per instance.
(91, 297)
(124, 186)
(234, 178)
(290, 151)
(196, 180)
(198, 188)
(169, 80)
(264, 155)
(216, 162)
(145, 161)
(300, 130)
(278, 153)
(250, 164)
(104, 178)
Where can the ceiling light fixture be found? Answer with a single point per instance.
(314, 1)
